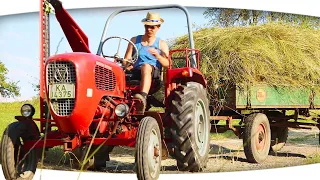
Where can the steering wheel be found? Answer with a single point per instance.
(117, 56)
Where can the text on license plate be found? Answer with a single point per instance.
(61, 91)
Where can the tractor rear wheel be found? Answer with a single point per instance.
(148, 149)
(18, 163)
(189, 112)
(256, 137)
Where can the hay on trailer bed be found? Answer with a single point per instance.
(273, 54)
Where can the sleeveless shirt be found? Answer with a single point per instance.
(144, 56)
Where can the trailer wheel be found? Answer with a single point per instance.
(148, 149)
(279, 137)
(256, 137)
(14, 165)
(191, 127)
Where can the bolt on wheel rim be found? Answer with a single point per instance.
(154, 153)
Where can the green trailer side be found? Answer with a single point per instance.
(268, 97)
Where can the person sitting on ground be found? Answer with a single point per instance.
(153, 53)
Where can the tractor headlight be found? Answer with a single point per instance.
(122, 110)
(27, 110)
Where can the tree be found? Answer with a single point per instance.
(225, 17)
(36, 88)
(7, 89)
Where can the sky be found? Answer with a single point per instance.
(19, 38)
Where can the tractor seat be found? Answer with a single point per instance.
(133, 79)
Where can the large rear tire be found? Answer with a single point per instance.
(189, 112)
(256, 137)
(14, 165)
(148, 149)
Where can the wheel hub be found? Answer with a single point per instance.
(200, 127)
(261, 137)
(156, 152)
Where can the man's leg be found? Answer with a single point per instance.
(146, 80)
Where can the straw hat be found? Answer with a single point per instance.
(152, 19)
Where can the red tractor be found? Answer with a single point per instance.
(87, 104)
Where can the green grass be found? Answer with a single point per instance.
(301, 139)
(221, 136)
(54, 157)
(313, 159)
(234, 122)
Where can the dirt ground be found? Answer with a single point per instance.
(227, 155)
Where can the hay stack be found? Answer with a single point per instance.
(273, 54)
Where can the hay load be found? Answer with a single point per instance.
(273, 54)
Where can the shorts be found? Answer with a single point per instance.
(135, 74)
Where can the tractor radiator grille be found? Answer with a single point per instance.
(62, 67)
(62, 72)
(105, 78)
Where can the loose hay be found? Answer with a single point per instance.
(273, 54)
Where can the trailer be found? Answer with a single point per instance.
(261, 115)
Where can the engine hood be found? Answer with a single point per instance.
(90, 77)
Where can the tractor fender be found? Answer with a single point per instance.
(30, 127)
(186, 74)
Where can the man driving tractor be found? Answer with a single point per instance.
(153, 53)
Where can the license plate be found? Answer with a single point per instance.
(61, 91)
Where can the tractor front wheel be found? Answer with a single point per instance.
(148, 149)
(18, 163)
(189, 112)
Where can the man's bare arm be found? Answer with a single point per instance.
(163, 56)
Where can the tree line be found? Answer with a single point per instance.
(227, 17)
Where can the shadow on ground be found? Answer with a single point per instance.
(121, 167)
(285, 154)
(216, 149)
(230, 158)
